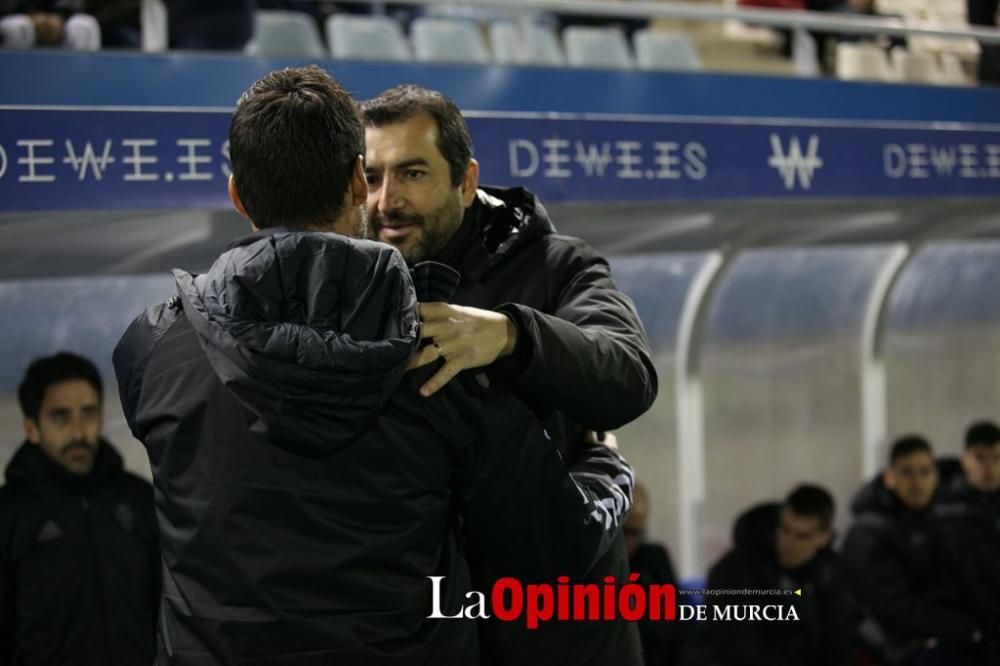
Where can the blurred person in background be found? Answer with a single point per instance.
(661, 641)
(921, 607)
(540, 307)
(986, 13)
(969, 506)
(782, 546)
(79, 555)
(219, 25)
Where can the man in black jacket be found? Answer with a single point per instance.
(969, 507)
(79, 560)
(785, 547)
(306, 494)
(541, 307)
(918, 599)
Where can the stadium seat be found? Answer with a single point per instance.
(601, 48)
(17, 31)
(952, 73)
(659, 49)
(447, 40)
(278, 34)
(512, 45)
(916, 66)
(366, 38)
(82, 32)
(863, 62)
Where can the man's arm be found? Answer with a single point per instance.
(589, 358)
(526, 512)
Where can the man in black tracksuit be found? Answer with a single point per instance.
(917, 595)
(969, 508)
(541, 307)
(783, 546)
(79, 559)
(306, 493)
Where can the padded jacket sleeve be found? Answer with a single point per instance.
(526, 512)
(590, 358)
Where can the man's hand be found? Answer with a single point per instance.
(464, 337)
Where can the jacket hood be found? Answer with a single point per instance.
(874, 497)
(31, 468)
(755, 527)
(508, 218)
(311, 332)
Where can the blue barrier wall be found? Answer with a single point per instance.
(98, 132)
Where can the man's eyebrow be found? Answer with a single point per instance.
(416, 161)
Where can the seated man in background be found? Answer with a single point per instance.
(79, 559)
(915, 592)
(784, 546)
(306, 493)
(660, 640)
(969, 506)
(541, 307)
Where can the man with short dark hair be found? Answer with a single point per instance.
(915, 593)
(79, 559)
(784, 546)
(969, 507)
(306, 493)
(540, 307)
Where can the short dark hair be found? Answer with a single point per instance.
(810, 500)
(908, 445)
(293, 142)
(403, 102)
(982, 433)
(48, 370)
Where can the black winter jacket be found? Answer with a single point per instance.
(821, 636)
(79, 564)
(581, 361)
(306, 492)
(905, 574)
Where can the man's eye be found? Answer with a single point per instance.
(413, 174)
(372, 179)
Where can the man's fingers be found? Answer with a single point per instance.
(437, 329)
(438, 381)
(432, 311)
(428, 354)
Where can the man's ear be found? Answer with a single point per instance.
(469, 184)
(888, 478)
(31, 431)
(234, 196)
(358, 190)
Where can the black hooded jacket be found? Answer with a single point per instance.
(822, 634)
(305, 491)
(904, 573)
(79, 564)
(581, 349)
(581, 362)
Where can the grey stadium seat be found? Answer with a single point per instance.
(447, 40)
(512, 45)
(660, 49)
(366, 38)
(278, 34)
(588, 46)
